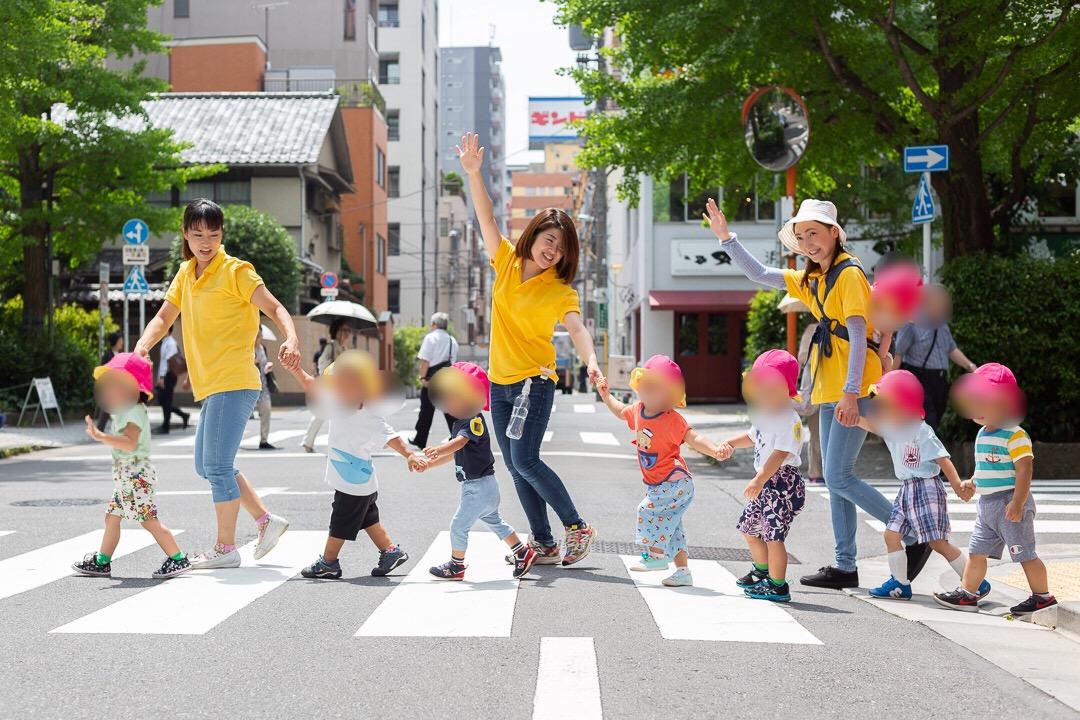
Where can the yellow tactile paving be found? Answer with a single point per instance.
(1064, 576)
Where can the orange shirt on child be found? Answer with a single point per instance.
(659, 438)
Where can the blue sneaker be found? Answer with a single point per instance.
(984, 590)
(891, 590)
(766, 590)
(389, 560)
(648, 563)
(323, 570)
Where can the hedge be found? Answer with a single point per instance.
(766, 326)
(406, 344)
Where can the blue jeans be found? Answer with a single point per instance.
(839, 448)
(537, 485)
(479, 501)
(221, 428)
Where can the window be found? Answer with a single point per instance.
(160, 199)
(389, 71)
(380, 168)
(393, 296)
(350, 19)
(234, 192)
(688, 334)
(717, 334)
(393, 188)
(388, 15)
(181, 8)
(393, 239)
(444, 226)
(380, 254)
(393, 125)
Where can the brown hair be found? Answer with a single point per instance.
(204, 213)
(812, 266)
(549, 219)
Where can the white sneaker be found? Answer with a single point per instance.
(680, 578)
(269, 534)
(216, 559)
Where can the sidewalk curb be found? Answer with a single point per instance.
(1063, 616)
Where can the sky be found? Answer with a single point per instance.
(533, 49)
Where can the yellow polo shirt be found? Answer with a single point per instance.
(850, 296)
(523, 317)
(219, 324)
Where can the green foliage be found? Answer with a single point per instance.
(406, 344)
(1024, 313)
(69, 360)
(257, 237)
(453, 184)
(766, 326)
(60, 134)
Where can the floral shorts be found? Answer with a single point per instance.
(768, 517)
(133, 490)
(660, 515)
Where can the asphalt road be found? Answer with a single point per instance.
(268, 643)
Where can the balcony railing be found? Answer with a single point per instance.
(353, 92)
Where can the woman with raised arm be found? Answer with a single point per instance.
(834, 286)
(532, 293)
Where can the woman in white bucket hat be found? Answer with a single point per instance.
(833, 285)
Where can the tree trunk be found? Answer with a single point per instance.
(36, 273)
(965, 209)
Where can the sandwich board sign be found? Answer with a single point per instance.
(46, 400)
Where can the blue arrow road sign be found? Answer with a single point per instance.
(922, 210)
(136, 282)
(136, 232)
(924, 158)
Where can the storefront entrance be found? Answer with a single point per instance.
(708, 348)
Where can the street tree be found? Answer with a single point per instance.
(75, 158)
(995, 81)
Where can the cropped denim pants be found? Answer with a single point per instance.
(479, 501)
(222, 420)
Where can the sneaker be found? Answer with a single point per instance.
(545, 554)
(1032, 604)
(449, 570)
(216, 558)
(984, 590)
(752, 578)
(958, 599)
(523, 564)
(832, 578)
(389, 560)
(269, 534)
(765, 590)
(648, 563)
(578, 542)
(917, 555)
(680, 578)
(322, 570)
(817, 481)
(90, 568)
(891, 589)
(267, 446)
(172, 568)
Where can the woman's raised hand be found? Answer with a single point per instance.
(470, 153)
(714, 216)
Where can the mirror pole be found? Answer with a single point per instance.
(792, 327)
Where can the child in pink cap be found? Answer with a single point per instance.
(123, 386)
(1004, 463)
(921, 463)
(669, 488)
(777, 492)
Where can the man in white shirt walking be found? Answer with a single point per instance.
(166, 382)
(438, 350)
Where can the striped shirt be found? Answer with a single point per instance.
(996, 453)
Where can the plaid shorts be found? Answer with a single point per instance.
(921, 509)
(769, 516)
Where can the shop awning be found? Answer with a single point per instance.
(690, 300)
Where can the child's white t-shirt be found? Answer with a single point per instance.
(776, 431)
(354, 435)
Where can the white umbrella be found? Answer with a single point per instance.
(267, 334)
(789, 304)
(358, 317)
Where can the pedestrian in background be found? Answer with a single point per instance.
(924, 348)
(315, 357)
(170, 366)
(340, 334)
(437, 351)
(263, 404)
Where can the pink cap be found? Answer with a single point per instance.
(900, 285)
(135, 366)
(666, 369)
(773, 365)
(902, 389)
(990, 380)
(477, 378)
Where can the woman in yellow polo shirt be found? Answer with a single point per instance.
(218, 299)
(841, 368)
(532, 293)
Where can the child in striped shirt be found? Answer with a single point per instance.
(1003, 467)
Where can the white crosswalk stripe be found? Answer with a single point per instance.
(567, 681)
(482, 605)
(584, 408)
(547, 436)
(261, 491)
(598, 438)
(275, 436)
(52, 562)
(714, 609)
(6, 532)
(195, 603)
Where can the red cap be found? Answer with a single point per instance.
(900, 285)
(135, 366)
(774, 365)
(477, 378)
(902, 389)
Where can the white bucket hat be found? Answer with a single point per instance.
(822, 211)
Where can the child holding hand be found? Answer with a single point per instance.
(776, 494)
(669, 488)
(462, 391)
(122, 388)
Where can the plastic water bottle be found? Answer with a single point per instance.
(516, 426)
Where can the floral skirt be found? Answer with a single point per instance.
(133, 490)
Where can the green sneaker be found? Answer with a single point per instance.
(680, 578)
(648, 563)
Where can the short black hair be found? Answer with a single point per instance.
(114, 337)
(204, 214)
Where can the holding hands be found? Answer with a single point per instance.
(470, 153)
(724, 450)
(418, 462)
(716, 220)
(967, 490)
(289, 353)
